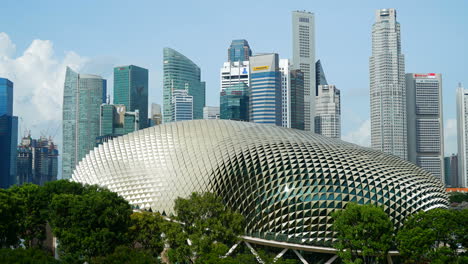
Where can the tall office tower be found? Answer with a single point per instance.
(387, 86)
(156, 115)
(265, 89)
(303, 28)
(116, 121)
(82, 98)
(462, 135)
(285, 68)
(297, 99)
(180, 73)
(239, 50)
(233, 73)
(37, 161)
(211, 112)
(451, 171)
(131, 90)
(320, 78)
(8, 135)
(182, 105)
(424, 122)
(234, 102)
(328, 111)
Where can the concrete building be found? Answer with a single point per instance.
(424, 119)
(320, 78)
(328, 111)
(156, 115)
(82, 98)
(180, 73)
(462, 135)
(233, 73)
(285, 67)
(387, 86)
(182, 105)
(265, 89)
(303, 43)
(211, 112)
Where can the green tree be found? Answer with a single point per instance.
(34, 213)
(126, 255)
(25, 256)
(458, 197)
(204, 227)
(364, 233)
(91, 224)
(10, 213)
(433, 236)
(146, 231)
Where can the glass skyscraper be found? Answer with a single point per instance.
(234, 102)
(239, 50)
(320, 78)
(462, 136)
(82, 98)
(387, 86)
(265, 89)
(296, 79)
(6, 97)
(180, 73)
(8, 135)
(131, 90)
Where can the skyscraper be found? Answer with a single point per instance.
(285, 68)
(131, 90)
(116, 121)
(211, 112)
(328, 111)
(239, 50)
(424, 122)
(180, 73)
(451, 171)
(296, 78)
(387, 86)
(156, 114)
(8, 135)
(265, 89)
(6, 97)
(233, 73)
(320, 78)
(82, 98)
(182, 105)
(234, 102)
(462, 135)
(37, 161)
(303, 28)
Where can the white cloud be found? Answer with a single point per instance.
(450, 136)
(38, 77)
(361, 136)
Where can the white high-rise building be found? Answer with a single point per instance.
(303, 28)
(182, 105)
(462, 135)
(285, 67)
(211, 112)
(235, 72)
(424, 122)
(328, 111)
(387, 86)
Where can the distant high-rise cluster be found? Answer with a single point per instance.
(37, 160)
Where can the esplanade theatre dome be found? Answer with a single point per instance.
(285, 182)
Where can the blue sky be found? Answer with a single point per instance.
(97, 35)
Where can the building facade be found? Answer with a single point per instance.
(320, 78)
(303, 28)
(180, 73)
(234, 102)
(233, 73)
(182, 105)
(462, 136)
(116, 121)
(424, 119)
(211, 112)
(82, 98)
(265, 89)
(451, 171)
(285, 68)
(328, 111)
(37, 161)
(387, 86)
(8, 135)
(297, 99)
(156, 115)
(239, 51)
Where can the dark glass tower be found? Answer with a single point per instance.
(131, 90)
(8, 135)
(239, 50)
(180, 73)
(320, 78)
(6, 97)
(297, 99)
(235, 102)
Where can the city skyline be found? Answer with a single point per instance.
(353, 82)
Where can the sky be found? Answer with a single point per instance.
(38, 39)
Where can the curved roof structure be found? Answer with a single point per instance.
(285, 182)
